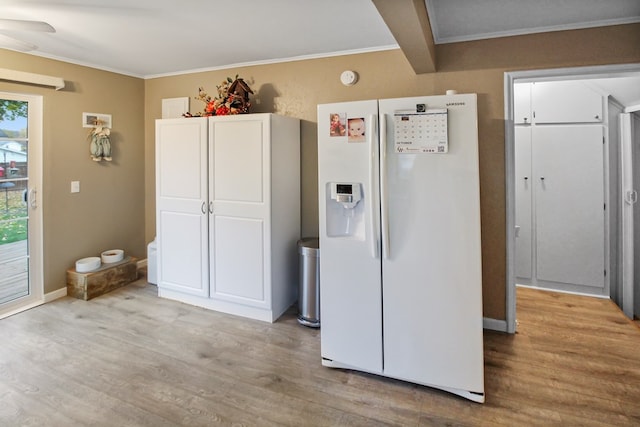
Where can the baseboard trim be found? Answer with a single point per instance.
(59, 293)
(494, 324)
(563, 291)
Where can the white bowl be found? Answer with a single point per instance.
(112, 255)
(87, 264)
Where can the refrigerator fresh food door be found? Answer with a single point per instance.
(350, 282)
(432, 277)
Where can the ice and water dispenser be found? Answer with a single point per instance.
(345, 212)
(345, 218)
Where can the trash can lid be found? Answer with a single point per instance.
(309, 246)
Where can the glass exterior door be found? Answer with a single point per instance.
(18, 207)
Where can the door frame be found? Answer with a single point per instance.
(628, 200)
(604, 71)
(36, 281)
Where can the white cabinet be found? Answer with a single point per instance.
(523, 183)
(181, 195)
(569, 194)
(522, 103)
(228, 212)
(565, 102)
(560, 181)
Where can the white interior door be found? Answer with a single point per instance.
(569, 192)
(21, 280)
(636, 212)
(629, 198)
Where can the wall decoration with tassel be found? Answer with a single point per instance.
(99, 143)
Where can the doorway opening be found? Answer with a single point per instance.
(545, 272)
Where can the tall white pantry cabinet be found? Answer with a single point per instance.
(228, 212)
(561, 187)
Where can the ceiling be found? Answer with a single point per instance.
(155, 37)
(464, 20)
(151, 38)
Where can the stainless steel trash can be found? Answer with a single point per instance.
(309, 292)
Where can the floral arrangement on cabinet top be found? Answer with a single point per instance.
(232, 98)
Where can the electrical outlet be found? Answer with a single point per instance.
(75, 186)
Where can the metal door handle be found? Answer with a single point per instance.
(384, 202)
(373, 220)
(203, 208)
(211, 207)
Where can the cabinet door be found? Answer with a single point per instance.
(565, 102)
(239, 223)
(522, 103)
(523, 183)
(181, 195)
(569, 185)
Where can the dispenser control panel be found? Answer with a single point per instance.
(348, 194)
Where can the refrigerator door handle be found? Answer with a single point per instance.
(373, 223)
(384, 205)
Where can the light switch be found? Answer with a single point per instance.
(75, 186)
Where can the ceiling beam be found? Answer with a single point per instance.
(408, 21)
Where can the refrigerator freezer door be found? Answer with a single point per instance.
(350, 277)
(432, 278)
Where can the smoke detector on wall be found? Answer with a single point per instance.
(349, 78)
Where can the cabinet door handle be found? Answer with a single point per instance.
(203, 208)
(211, 207)
(526, 178)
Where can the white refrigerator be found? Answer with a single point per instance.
(400, 265)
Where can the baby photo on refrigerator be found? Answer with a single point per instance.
(356, 129)
(336, 123)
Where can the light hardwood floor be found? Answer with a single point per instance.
(129, 358)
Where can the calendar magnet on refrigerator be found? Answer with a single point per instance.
(423, 131)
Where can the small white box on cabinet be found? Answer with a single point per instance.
(173, 108)
(228, 212)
